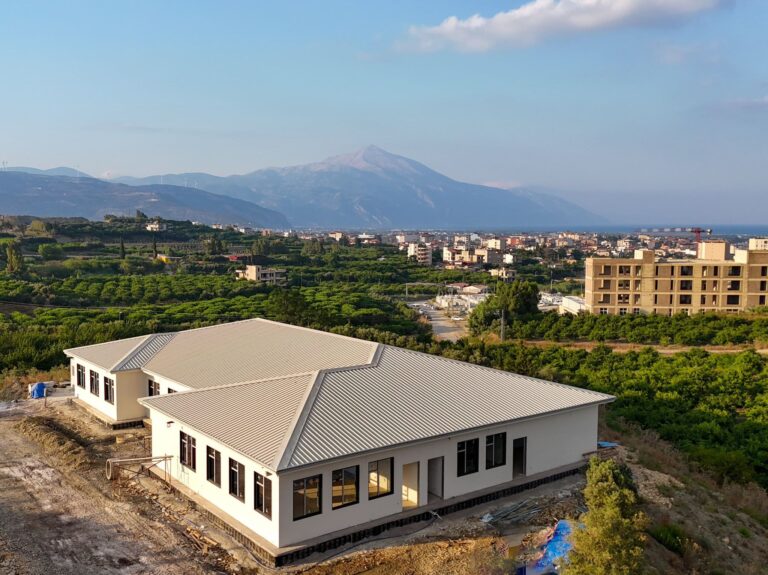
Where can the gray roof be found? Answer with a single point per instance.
(397, 397)
(107, 354)
(255, 419)
(409, 396)
(145, 351)
(253, 349)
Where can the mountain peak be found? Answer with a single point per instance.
(371, 159)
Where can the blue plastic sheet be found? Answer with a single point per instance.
(556, 548)
(38, 390)
(606, 444)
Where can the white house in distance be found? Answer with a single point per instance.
(301, 440)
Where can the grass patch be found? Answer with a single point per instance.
(671, 536)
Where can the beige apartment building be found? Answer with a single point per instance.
(270, 276)
(716, 281)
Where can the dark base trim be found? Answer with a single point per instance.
(293, 556)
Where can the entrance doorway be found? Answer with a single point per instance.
(411, 485)
(519, 456)
(435, 480)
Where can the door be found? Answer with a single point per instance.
(410, 485)
(435, 478)
(519, 455)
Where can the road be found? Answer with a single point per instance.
(443, 327)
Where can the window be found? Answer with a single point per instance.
(188, 450)
(622, 298)
(606, 271)
(605, 284)
(622, 311)
(344, 486)
(236, 479)
(732, 300)
(380, 478)
(495, 450)
(715, 271)
(467, 457)
(109, 390)
(733, 285)
(686, 270)
(734, 271)
(94, 383)
(764, 271)
(605, 298)
(685, 299)
(623, 284)
(703, 300)
(171, 390)
(686, 285)
(624, 270)
(762, 300)
(153, 387)
(80, 376)
(603, 311)
(763, 285)
(213, 466)
(703, 285)
(307, 497)
(262, 494)
(636, 311)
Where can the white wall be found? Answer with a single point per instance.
(553, 441)
(84, 393)
(165, 441)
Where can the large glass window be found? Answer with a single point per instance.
(236, 479)
(307, 496)
(380, 478)
(345, 486)
(94, 383)
(213, 466)
(153, 388)
(262, 496)
(495, 450)
(109, 390)
(80, 376)
(467, 460)
(188, 450)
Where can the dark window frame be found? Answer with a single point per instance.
(732, 299)
(379, 491)
(495, 446)
(80, 376)
(213, 465)
(302, 485)
(237, 487)
(262, 494)
(109, 390)
(342, 471)
(467, 457)
(188, 450)
(94, 382)
(153, 387)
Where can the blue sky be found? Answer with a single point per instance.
(610, 102)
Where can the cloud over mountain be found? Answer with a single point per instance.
(541, 19)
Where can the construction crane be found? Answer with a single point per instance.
(696, 231)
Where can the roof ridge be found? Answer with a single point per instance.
(142, 345)
(235, 384)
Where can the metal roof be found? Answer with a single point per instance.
(107, 354)
(254, 418)
(145, 351)
(253, 349)
(409, 396)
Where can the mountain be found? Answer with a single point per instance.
(373, 188)
(41, 195)
(60, 171)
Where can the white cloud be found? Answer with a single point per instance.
(541, 19)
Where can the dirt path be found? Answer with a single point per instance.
(54, 522)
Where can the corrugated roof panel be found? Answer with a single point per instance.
(410, 396)
(253, 349)
(251, 418)
(107, 354)
(144, 352)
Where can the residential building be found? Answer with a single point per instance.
(499, 244)
(271, 276)
(716, 281)
(487, 256)
(421, 252)
(302, 440)
(156, 226)
(505, 274)
(338, 236)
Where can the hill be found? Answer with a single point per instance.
(44, 195)
(373, 188)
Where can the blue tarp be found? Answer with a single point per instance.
(38, 390)
(556, 548)
(606, 444)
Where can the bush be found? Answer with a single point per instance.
(671, 536)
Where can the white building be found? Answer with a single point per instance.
(261, 274)
(422, 253)
(294, 437)
(156, 226)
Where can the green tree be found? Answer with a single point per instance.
(14, 260)
(214, 246)
(154, 246)
(611, 540)
(122, 248)
(516, 300)
(51, 251)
